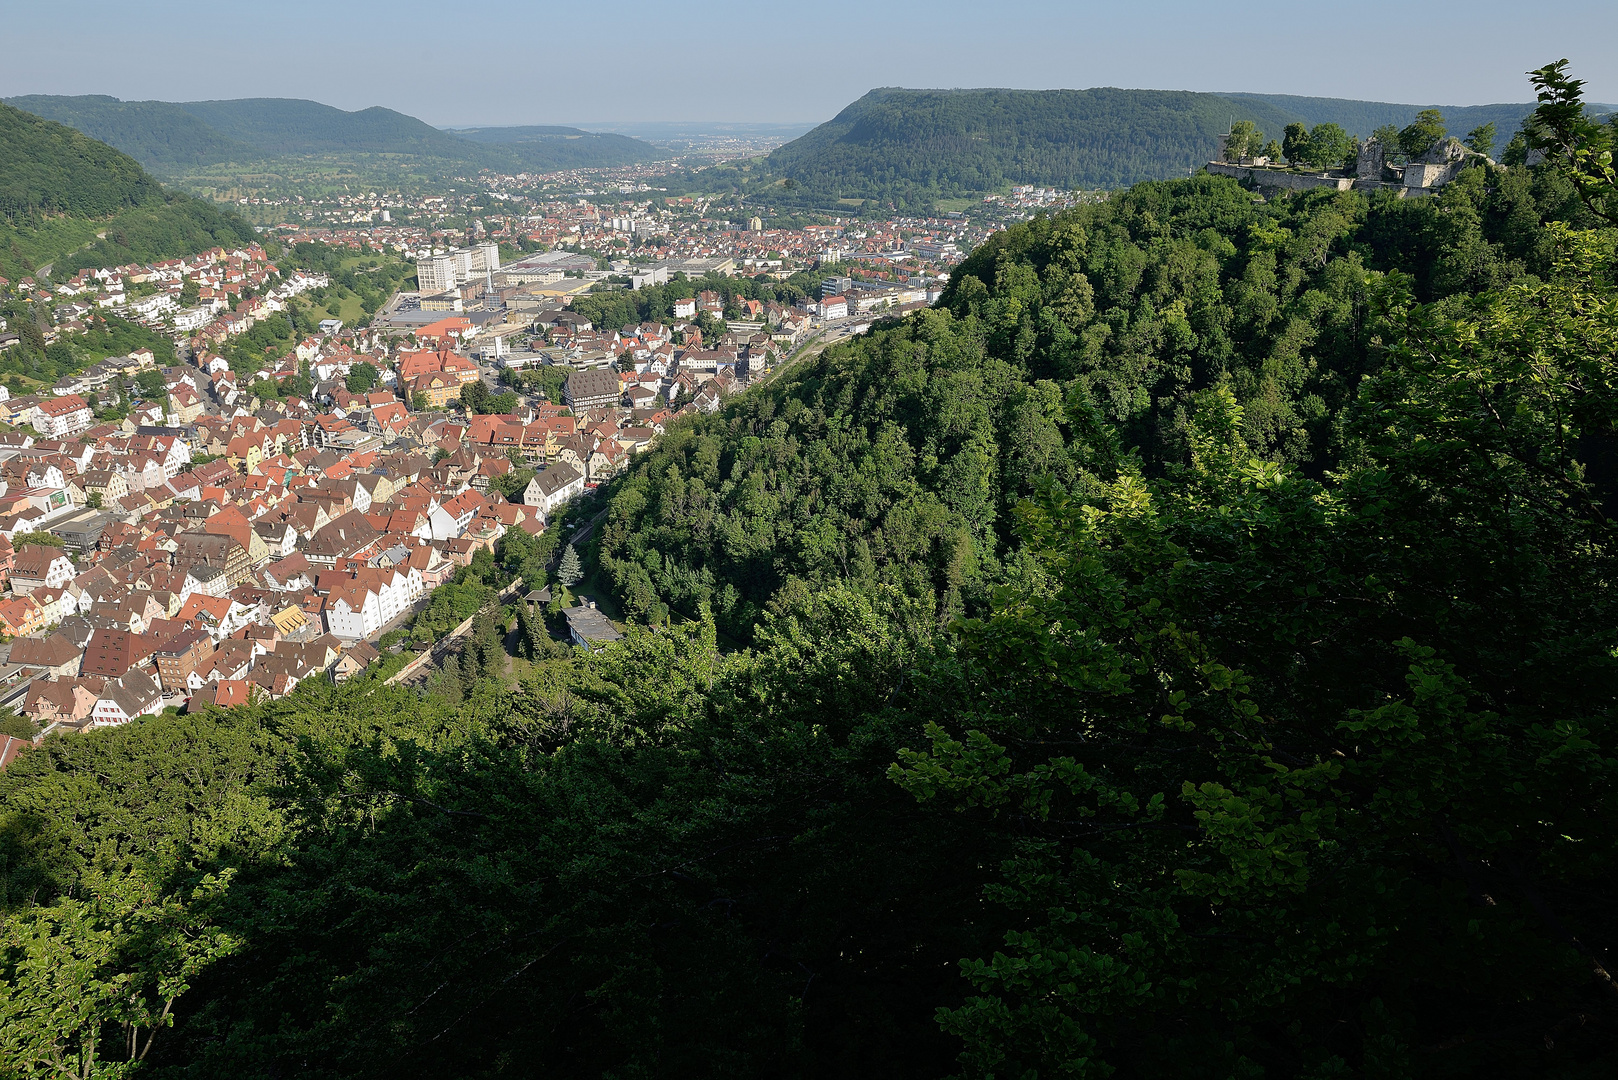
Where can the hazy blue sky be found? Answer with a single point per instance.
(518, 62)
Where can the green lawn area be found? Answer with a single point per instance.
(520, 669)
(954, 206)
(350, 310)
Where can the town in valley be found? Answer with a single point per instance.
(316, 432)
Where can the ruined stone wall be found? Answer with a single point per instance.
(1368, 186)
(1438, 166)
(1368, 166)
(1423, 176)
(1275, 179)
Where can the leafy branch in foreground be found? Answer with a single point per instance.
(1564, 131)
(89, 983)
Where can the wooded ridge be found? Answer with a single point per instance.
(71, 201)
(913, 147)
(169, 136)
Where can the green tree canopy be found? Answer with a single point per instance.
(1294, 142)
(1328, 147)
(1481, 139)
(38, 539)
(1562, 129)
(1244, 141)
(1422, 134)
(361, 377)
(570, 571)
(151, 385)
(18, 727)
(1388, 137)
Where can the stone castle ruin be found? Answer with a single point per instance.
(1437, 166)
(1369, 166)
(1420, 176)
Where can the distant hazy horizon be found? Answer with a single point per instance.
(657, 131)
(744, 64)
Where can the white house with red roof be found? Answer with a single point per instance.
(353, 612)
(63, 416)
(451, 519)
(834, 307)
(123, 699)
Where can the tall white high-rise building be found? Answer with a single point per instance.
(436, 274)
(441, 273)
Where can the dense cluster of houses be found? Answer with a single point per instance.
(214, 548)
(654, 367)
(234, 290)
(608, 210)
(224, 581)
(680, 229)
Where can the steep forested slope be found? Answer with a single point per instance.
(51, 169)
(158, 134)
(909, 146)
(72, 201)
(899, 457)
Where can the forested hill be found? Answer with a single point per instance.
(155, 133)
(900, 457)
(51, 169)
(911, 145)
(59, 189)
(568, 147)
(1364, 117)
(296, 126)
(168, 136)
